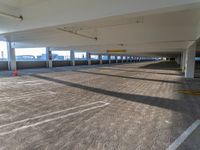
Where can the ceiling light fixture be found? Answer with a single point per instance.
(75, 33)
(121, 44)
(20, 18)
(139, 20)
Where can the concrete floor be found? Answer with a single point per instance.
(117, 107)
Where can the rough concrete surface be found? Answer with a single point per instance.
(108, 107)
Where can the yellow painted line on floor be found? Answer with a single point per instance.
(190, 92)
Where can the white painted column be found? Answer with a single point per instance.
(122, 61)
(134, 58)
(11, 57)
(100, 59)
(49, 57)
(137, 59)
(178, 60)
(190, 61)
(109, 59)
(72, 57)
(126, 58)
(183, 56)
(116, 59)
(131, 59)
(88, 56)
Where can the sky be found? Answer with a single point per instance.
(3, 50)
(30, 51)
(42, 50)
(36, 51)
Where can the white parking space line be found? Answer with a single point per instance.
(184, 136)
(49, 114)
(52, 119)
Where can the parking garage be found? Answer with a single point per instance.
(100, 77)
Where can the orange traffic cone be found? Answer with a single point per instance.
(15, 73)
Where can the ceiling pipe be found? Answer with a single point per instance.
(20, 18)
(75, 33)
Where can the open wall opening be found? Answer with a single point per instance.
(3, 56)
(30, 57)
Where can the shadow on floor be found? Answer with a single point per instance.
(163, 65)
(183, 106)
(23, 72)
(137, 70)
(127, 77)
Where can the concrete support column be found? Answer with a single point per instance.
(178, 60)
(88, 56)
(109, 59)
(131, 59)
(49, 57)
(122, 60)
(100, 59)
(183, 56)
(116, 59)
(72, 57)
(136, 59)
(190, 61)
(11, 58)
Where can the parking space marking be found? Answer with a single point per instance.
(52, 113)
(52, 119)
(184, 136)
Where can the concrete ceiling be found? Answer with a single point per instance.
(155, 27)
(11, 3)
